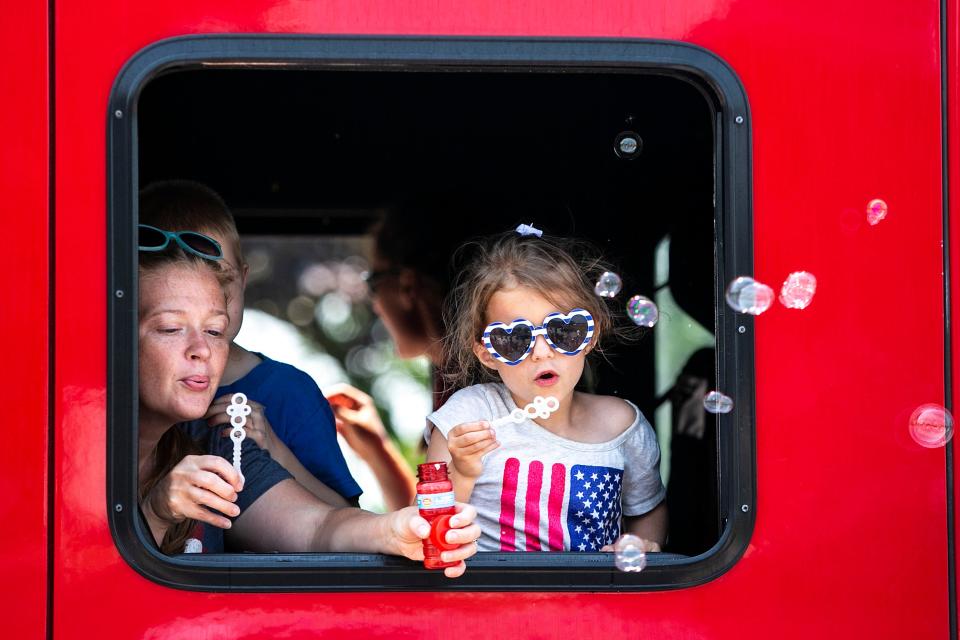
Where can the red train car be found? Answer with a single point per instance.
(766, 128)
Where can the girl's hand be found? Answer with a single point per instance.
(648, 546)
(407, 531)
(468, 443)
(357, 419)
(195, 483)
(258, 427)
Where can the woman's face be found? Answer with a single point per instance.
(183, 344)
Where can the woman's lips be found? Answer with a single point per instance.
(196, 383)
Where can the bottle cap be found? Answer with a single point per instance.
(438, 533)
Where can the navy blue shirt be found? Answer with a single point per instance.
(301, 417)
(260, 473)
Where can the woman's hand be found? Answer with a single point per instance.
(258, 427)
(357, 419)
(407, 530)
(194, 483)
(468, 443)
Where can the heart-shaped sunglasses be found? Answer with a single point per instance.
(566, 333)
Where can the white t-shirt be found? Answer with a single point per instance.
(541, 492)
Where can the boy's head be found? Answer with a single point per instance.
(183, 205)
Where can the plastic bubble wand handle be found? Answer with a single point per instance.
(540, 408)
(238, 410)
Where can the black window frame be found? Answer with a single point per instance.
(723, 91)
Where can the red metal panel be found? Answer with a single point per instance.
(850, 534)
(24, 275)
(953, 177)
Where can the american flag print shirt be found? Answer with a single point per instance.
(541, 492)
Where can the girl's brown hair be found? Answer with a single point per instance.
(174, 444)
(561, 270)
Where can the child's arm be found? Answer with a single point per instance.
(259, 430)
(467, 445)
(651, 527)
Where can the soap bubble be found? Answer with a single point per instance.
(798, 289)
(608, 285)
(746, 295)
(628, 553)
(876, 211)
(642, 311)
(931, 425)
(716, 402)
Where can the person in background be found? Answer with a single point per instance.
(291, 419)
(409, 280)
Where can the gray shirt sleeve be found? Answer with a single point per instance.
(642, 488)
(466, 405)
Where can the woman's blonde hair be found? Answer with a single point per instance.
(561, 270)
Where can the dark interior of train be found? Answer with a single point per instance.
(312, 152)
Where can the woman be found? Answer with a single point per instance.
(188, 489)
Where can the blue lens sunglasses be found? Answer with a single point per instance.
(153, 239)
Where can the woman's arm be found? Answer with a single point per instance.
(288, 518)
(195, 483)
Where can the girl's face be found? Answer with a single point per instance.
(544, 372)
(183, 344)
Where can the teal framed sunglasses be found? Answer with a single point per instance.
(153, 239)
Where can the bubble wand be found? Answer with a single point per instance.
(540, 408)
(238, 410)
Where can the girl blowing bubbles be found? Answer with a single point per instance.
(523, 315)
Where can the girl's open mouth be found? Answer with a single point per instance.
(546, 378)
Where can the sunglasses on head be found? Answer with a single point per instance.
(566, 333)
(153, 239)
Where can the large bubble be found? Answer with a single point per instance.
(628, 553)
(746, 295)
(931, 425)
(876, 211)
(608, 285)
(716, 402)
(798, 289)
(642, 311)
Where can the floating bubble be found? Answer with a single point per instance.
(746, 295)
(628, 553)
(931, 426)
(798, 289)
(876, 211)
(642, 311)
(716, 402)
(608, 285)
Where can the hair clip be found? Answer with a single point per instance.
(529, 230)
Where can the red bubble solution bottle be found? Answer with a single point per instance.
(435, 500)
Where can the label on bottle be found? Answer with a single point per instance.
(435, 500)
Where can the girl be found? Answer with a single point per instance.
(523, 315)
